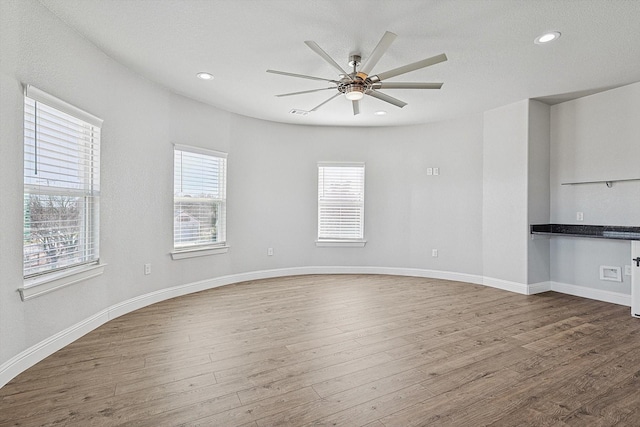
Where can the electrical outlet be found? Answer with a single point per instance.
(611, 273)
(580, 216)
(436, 171)
(429, 171)
(147, 269)
(434, 253)
(270, 251)
(627, 270)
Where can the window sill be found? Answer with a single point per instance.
(197, 252)
(41, 285)
(341, 243)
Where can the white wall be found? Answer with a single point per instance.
(595, 138)
(407, 213)
(538, 193)
(271, 183)
(505, 180)
(516, 194)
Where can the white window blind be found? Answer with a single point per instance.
(61, 184)
(199, 198)
(340, 201)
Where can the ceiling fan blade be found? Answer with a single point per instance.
(410, 67)
(302, 76)
(377, 53)
(318, 106)
(317, 49)
(356, 107)
(304, 91)
(384, 97)
(393, 85)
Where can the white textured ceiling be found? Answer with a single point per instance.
(492, 58)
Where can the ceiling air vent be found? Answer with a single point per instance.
(299, 112)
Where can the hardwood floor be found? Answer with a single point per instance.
(343, 350)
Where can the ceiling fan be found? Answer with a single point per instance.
(358, 83)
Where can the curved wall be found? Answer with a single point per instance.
(271, 187)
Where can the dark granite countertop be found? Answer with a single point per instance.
(595, 231)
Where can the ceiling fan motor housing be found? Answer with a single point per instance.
(356, 84)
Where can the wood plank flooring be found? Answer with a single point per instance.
(343, 350)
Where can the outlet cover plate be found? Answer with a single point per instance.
(611, 273)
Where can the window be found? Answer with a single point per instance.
(61, 185)
(199, 199)
(340, 202)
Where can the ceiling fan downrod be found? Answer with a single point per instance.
(354, 61)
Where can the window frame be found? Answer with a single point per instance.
(36, 283)
(337, 241)
(204, 248)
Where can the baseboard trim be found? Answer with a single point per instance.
(537, 288)
(596, 294)
(520, 288)
(506, 285)
(29, 357)
(34, 354)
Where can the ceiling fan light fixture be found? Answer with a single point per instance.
(204, 76)
(547, 37)
(354, 93)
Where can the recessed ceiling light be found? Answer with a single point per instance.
(205, 76)
(547, 37)
(380, 113)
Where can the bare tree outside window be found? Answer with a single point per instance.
(54, 228)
